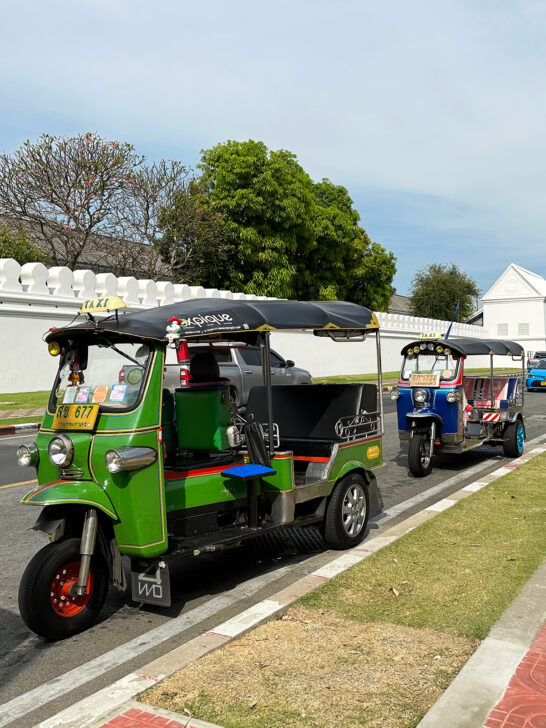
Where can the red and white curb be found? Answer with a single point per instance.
(92, 711)
(14, 429)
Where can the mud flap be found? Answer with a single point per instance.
(150, 583)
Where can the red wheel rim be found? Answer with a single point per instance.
(62, 602)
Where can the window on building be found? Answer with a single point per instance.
(502, 329)
(523, 329)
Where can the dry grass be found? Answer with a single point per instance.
(314, 669)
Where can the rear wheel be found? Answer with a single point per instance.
(347, 513)
(514, 439)
(420, 454)
(45, 601)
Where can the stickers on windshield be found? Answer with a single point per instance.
(70, 395)
(83, 395)
(118, 393)
(100, 394)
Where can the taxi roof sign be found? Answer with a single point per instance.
(105, 303)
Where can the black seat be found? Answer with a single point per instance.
(307, 414)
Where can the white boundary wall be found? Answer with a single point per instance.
(34, 298)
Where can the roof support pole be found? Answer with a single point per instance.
(491, 393)
(379, 379)
(266, 373)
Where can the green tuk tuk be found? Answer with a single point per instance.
(126, 467)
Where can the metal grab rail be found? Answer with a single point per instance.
(360, 426)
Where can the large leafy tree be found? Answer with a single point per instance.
(288, 236)
(437, 288)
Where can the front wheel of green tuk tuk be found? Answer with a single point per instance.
(514, 439)
(419, 454)
(347, 513)
(46, 603)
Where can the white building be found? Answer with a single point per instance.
(515, 308)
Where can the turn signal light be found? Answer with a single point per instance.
(54, 348)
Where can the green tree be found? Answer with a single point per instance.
(288, 236)
(436, 290)
(194, 242)
(15, 244)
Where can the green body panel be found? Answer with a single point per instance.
(202, 418)
(284, 478)
(136, 499)
(357, 455)
(202, 490)
(78, 492)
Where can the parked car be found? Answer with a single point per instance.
(535, 358)
(241, 364)
(536, 377)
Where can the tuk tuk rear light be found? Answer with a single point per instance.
(61, 451)
(184, 377)
(28, 455)
(129, 458)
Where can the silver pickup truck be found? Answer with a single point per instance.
(242, 366)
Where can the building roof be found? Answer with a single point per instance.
(518, 283)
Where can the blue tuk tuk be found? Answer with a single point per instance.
(442, 410)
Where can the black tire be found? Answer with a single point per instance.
(514, 439)
(419, 455)
(42, 583)
(344, 528)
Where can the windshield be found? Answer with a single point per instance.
(445, 366)
(108, 374)
(541, 364)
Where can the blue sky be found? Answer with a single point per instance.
(432, 114)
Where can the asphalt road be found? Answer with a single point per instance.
(254, 572)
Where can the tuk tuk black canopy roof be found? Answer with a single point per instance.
(471, 347)
(230, 319)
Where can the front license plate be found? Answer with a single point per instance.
(424, 380)
(151, 586)
(543, 384)
(75, 416)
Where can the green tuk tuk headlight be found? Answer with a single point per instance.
(129, 458)
(28, 455)
(61, 451)
(420, 395)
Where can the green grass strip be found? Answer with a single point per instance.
(24, 400)
(458, 572)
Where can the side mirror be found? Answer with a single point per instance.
(289, 363)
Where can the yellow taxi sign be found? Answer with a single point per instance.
(431, 336)
(106, 303)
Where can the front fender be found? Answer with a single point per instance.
(79, 492)
(422, 417)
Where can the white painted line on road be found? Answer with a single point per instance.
(72, 679)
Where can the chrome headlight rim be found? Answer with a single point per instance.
(65, 455)
(420, 395)
(29, 453)
(453, 396)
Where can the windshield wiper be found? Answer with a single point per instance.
(115, 348)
